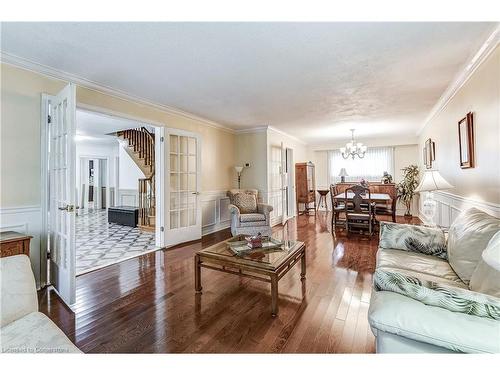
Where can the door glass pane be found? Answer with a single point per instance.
(192, 182)
(174, 201)
(183, 219)
(192, 145)
(192, 216)
(184, 163)
(192, 163)
(183, 145)
(174, 181)
(173, 143)
(173, 163)
(174, 219)
(183, 200)
(184, 181)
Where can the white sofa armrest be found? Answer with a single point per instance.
(18, 289)
(403, 316)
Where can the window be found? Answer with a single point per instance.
(377, 160)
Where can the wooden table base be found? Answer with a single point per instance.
(269, 276)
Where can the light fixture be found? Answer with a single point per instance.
(238, 170)
(353, 148)
(431, 181)
(343, 174)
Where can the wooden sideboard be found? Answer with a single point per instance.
(305, 186)
(14, 243)
(375, 187)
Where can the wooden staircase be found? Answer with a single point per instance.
(140, 145)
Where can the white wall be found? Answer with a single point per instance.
(478, 186)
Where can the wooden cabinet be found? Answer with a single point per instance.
(13, 243)
(305, 186)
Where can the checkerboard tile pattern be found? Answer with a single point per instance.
(99, 243)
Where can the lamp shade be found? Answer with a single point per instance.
(343, 172)
(432, 181)
(238, 169)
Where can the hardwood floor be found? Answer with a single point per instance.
(148, 304)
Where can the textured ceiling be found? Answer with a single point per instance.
(311, 80)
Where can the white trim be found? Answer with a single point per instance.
(461, 78)
(212, 202)
(450, 205)
(261, 129)
(18, 209)
(20, 62)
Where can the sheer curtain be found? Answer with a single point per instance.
(377, 160)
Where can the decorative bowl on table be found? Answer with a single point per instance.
(254, 242)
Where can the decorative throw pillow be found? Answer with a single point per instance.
(439, 295)
(247, 203)
(486, 277)
(420, 239)
(468, 236)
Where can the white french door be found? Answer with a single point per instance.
(61, 193)
(182, 186)
(284, 185)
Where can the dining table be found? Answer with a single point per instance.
(382, 198)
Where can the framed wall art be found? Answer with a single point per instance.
(466, 141)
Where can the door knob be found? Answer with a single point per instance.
(68, 207)
(195, 193)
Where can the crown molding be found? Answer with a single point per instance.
(460, 79)
(261, 129)
(45, 70)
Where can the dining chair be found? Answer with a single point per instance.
(337, 207)
(360, 216)
(388, 209)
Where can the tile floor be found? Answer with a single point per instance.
(99, 243)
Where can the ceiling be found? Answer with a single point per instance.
(314, 81)
(95, 127)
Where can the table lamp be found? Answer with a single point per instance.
(431, 181)
(343, 174)
(238, 170)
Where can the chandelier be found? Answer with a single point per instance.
(353, 148)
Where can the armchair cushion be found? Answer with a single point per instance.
(247, 203)
(18, 289)
(467, 238)
(486, 277)
(402, 316)
(439, 295)
(420, 239)
(252, 217)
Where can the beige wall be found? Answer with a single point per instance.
(480, 95)
(251, 148)
(20, 134)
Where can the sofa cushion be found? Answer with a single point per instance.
(252, 217)
(397, 314)
(468, 236)
(414, 238)
(414, 264)
(18, 290)
(486, 277)
(437, 294)
(246, 203)
(35, 333)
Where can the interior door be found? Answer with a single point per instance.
(284, 186)
(61, 193)
(182, 187)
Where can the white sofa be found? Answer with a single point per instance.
(408, 323)
(23, 329)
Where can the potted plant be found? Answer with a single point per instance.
(406, 188)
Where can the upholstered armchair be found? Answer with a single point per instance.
(247, 215)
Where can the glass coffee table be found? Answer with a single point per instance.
(268, 265)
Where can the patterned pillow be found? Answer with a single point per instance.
(419, 239)
(247, 203)
(439, 295)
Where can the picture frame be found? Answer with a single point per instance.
(466, 141)
(429, 153)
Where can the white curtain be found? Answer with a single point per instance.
(377, 160)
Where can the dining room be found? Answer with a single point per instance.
(361, 186)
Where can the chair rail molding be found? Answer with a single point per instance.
(449, 206)
(215, 214)
(26, 220)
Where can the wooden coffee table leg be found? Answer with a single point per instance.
(197, 274)
(303, 266)
(274, 295)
